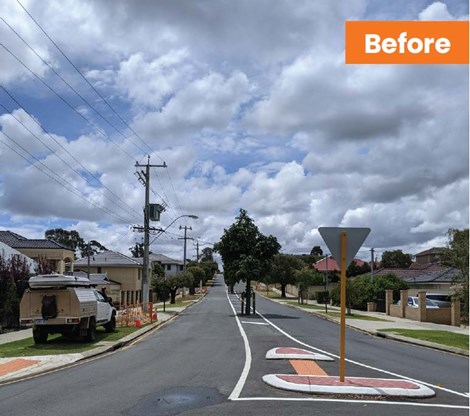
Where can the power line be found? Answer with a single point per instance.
(85, 78)
(71, 87)
(99, 94)
(132, 212)
(98, 129)
(60, 181)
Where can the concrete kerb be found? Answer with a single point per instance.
(99, 350)
(375, 332)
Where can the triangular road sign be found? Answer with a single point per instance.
(354, 239)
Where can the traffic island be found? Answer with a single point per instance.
(350, 386)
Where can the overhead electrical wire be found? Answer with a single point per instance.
(116, 198)
(84, 100)
(69, 187)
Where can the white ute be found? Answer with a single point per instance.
(68, 305)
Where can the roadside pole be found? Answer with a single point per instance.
(343, 243)
(342, 349)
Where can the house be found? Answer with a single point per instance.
(119, 268)
(171, 266)
(429, 277)
(329, 264)
(55, 254)
(7, 252)
(433, 255)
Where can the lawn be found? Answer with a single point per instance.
(356, 316)
(57, 344)
(440, 337)
(305, 305)
(270, 294)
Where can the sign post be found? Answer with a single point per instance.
(343, 243)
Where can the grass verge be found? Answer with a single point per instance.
(270, 294)
(356, 316)
(450, 339)
(57, 344)
(305, 305)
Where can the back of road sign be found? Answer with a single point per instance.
(332, 237)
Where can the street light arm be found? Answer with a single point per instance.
(194, 217)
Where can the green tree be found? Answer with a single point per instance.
(199, 276)
(171, 284)
(138, 250)
(395, 259)
(316, 251)
(456, 254)
(305, 278)
(246, 253)
(283, 268)
(207, 254)
(14, 275)
(73, 241)
(355, 270)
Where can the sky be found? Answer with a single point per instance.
(249, 104)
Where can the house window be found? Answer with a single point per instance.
(181, 268)
(99, 270)
(168, 266)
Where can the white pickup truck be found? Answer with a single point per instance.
(67, 305)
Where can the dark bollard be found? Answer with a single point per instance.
(254, 303)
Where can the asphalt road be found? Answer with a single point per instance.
(195, 363)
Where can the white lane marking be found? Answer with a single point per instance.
(308, 399)
(358, 363)
(246, 368)
(255, 323)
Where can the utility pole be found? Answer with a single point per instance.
(371, 264)
(185, 238)
(144, 177)
(197, 251)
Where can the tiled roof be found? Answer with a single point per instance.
(17, 241)
(426, 274)
(434, 250)
(108, 258)
(160, 258)
(330, 264)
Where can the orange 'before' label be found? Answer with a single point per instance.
(404, 42)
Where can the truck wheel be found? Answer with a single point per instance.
(91, 332)
(111, 325)
(40, 335)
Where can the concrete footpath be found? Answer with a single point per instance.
(18, 368)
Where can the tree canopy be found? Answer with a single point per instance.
(246, 252)
(72, 240)
(395, 259)
(283, 270)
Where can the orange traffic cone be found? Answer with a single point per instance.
(137, 321)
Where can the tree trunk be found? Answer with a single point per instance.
(283, 291)
(173, 295)
(232, 289)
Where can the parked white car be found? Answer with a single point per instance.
(413, 302)
(440, 299)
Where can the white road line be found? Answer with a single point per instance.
(255, 323)
(358, 363)
(246, 369)
(307, 399)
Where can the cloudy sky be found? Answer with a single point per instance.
(249, 103)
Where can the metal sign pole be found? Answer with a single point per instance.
(342, 347)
